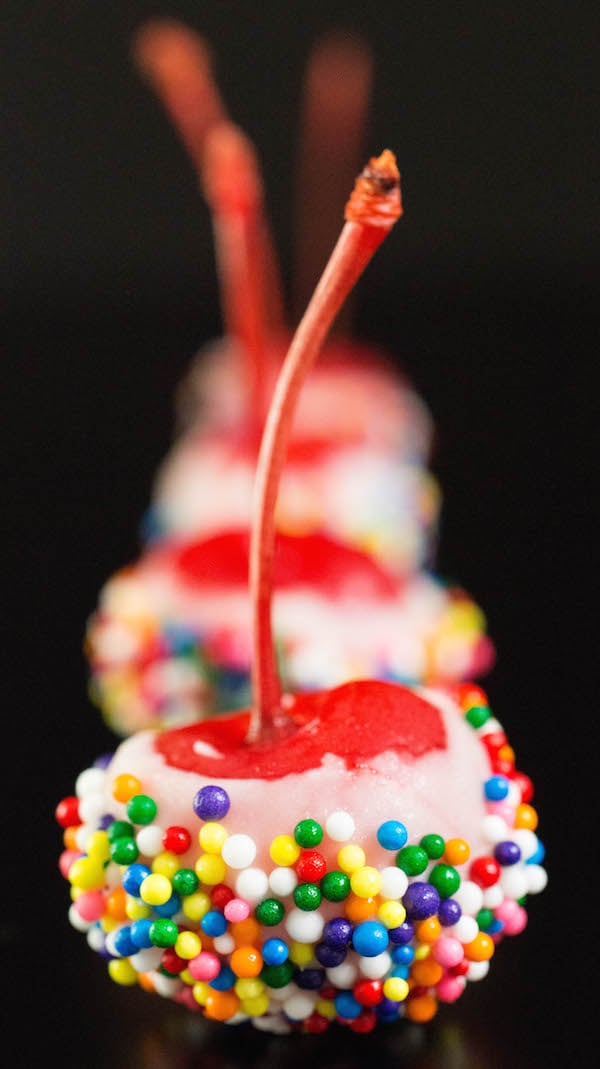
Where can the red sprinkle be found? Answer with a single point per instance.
(484, 871)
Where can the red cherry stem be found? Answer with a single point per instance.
(373, 208)
(233, 189)
(176, 62)
(336, 92)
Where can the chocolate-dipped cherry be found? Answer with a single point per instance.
(351, 855)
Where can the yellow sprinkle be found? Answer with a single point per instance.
(365, 881)
(196, 905)
(350, 858)
(98, 846)
(136, 910)
(187, 945)
(422, 951)
(155, 890)
(255, 1007)
(284, 850)
(391, 913)
(395, 988)
(211, 837)
(201, 991)
(166, 864)
(87, 874)
(326, 1008)
(301, 953)
(210, 869)
(248, 988)
(122, 972)
(108, 924)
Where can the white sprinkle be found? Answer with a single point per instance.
(238, 851)
(147, 959)
(469, 897)
(478, 970)
(91, 807)
(282, 881)
(526, 840)
(494, 828)
(300, 1006)
(340, 826)
(90, 781)
(342, 976)
(394, 882)
(537, 878)
(150, 840)
(252, 884)
(303, 926)
(464, 930)
(77, 921)
(167, 986)
(376, 967)
(513, 880)
(224, 944)
(493, 896)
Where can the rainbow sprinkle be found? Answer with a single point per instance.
(183, 911)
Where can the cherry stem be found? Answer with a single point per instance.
(373, 208)
(233, 190)
(336, 93)
(177, 64)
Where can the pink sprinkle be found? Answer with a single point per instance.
(90, 905)
(66, 859)
(186, 998)
(205, 966)
(505, 810)
(237, 909)
(447, 951)
(517, 922)
(506, 911)
(450, 988)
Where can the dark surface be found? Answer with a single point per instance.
(487, 292)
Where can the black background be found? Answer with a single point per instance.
(486, 293)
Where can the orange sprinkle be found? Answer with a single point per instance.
(427, 972)
(246, 962)
(526, 817)
(470, 695)
(506, 753)
(115, 904)
(221, 1005)
(457, 851)
(361, 909)
(125, 786)
(480, 948)
(420, 1007)
(246, 932)
(69, 837)
(145, 982)
(428, 931)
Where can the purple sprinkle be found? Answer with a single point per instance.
(449, 912)
(330, 956)
(105, 821)
(103, 761)
(309, 979)
(337, 932)
(421, 900)
(402, 934)
(211, 803)
(507, 853)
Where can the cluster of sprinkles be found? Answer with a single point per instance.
(184, 912)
